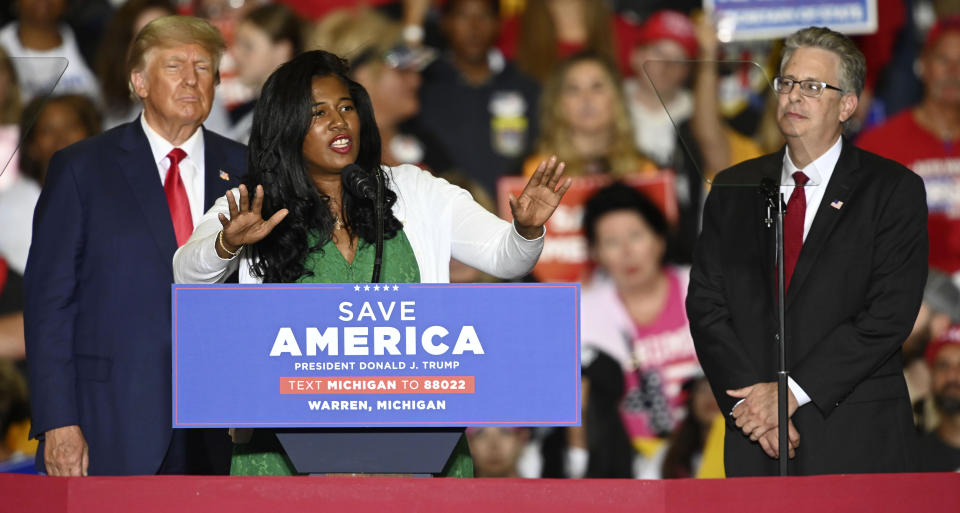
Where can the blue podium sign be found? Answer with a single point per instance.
(400, 355)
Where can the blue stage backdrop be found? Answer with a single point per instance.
(399, 355)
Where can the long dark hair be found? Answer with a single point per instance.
(281, 120)
(686, 441)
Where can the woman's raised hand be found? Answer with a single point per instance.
(246, 224)
(539, 198)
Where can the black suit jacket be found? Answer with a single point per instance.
(853, 298)
(97, 290)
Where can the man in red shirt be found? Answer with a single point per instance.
(926, 139)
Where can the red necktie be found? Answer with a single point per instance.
(177, 198)
(793, 226)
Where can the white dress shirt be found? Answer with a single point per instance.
(191, 167)
(819, 172)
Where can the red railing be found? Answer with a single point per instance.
(921, 493)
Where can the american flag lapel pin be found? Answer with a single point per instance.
(837, 204)
(225, 176)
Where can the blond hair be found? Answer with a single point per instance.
(555, 132)
(355, 34)
(169, 31)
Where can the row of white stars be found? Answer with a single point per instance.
(376, 288)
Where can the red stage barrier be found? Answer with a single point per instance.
(923, 493)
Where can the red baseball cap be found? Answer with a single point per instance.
(672, 25)
(951, 337)
(941, 27)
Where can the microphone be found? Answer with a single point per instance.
(368, 187)
(358, 182)
(770, 191)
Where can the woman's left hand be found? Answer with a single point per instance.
(539, 198)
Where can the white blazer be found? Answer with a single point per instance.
(440, 220)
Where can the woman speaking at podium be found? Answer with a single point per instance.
(306, 212)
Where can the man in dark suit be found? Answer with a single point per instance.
(855, 266)
(112, 213)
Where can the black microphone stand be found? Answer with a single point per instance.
(771, 192)
(378, 210)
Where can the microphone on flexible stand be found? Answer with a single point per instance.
(360, 183)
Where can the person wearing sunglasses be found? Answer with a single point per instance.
(855, 246)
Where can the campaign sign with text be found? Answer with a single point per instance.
(358, 355)
(769, 19)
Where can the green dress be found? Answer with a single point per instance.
(263, 455)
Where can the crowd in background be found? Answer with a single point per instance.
(474, 90)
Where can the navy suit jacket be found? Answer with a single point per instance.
(853, 298)
(97, 287)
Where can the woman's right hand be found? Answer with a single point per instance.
(246, 224)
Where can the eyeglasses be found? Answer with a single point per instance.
(811, 88)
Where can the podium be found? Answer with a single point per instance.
(375, 379)
(409, 451)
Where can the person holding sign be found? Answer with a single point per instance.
(300, 215)
(855, 242)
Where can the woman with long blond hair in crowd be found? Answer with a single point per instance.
(584, 120)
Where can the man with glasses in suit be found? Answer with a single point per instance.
(855, 245)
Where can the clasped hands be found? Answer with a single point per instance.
(756, 416)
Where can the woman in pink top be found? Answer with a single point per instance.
(637, 346)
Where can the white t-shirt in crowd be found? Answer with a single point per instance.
(38, 70)
(654, 133)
